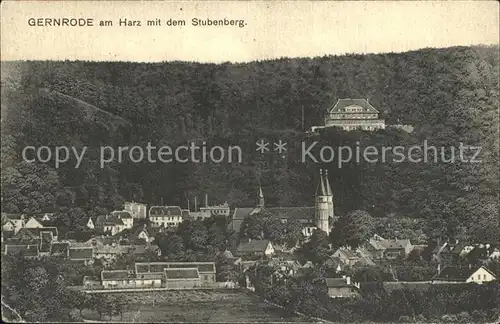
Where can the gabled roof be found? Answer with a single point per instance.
(254, 246)
(83, 253)
(341, 104)
(39, 230)
(117, 249)
(348, 253)
(165, 211)
(459, 273)
(25, 250)
(181, 273)
(26, 233)
(304, 213)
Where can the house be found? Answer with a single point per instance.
(284, 266)
(222, 210)
(48, 234)
(8, 226)
(18, 221)
(347, 256)
(494, 254)
(90, 224)
(342, 287)
(379, 248)
(168, 217)
(137, 210)
(125, 217)
(81, 254)
(32, 223)
(47, 217)
(25, 250)
(113, 223)
(482, 253)
(142, 233)
(108, 253)
(259, 248)
(145, 250)
(206, 270)
(125, 279)
(350, 114)
(182, 278)
(466, 274)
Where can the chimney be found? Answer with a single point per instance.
(206, 200)
(195, 203)
(470, 266)
(348, 279)
(188, 206)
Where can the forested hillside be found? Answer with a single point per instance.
(449, 95)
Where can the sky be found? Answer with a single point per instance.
(273, 29)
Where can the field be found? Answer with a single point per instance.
(199, 306)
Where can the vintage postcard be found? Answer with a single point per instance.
(250, 161)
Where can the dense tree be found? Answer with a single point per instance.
(352, 229)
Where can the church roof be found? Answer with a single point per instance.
(321, 189)
(327, 185)
(341, 104)
(297, 213)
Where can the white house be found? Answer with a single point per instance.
(468, 274)
(137, 210)
(90, 224)
(33, 223)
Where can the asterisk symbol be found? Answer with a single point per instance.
(262, 146)
(280, 147)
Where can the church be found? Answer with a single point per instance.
(351, 114)
(320, 216)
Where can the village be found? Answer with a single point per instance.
(132, 231)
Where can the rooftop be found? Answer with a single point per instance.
(84, 253)
(181, 273)
(252, 246)
(341, 104)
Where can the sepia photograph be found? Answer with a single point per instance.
(250, 162)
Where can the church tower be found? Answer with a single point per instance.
(321, 205)
(329, 196)
(260, 203)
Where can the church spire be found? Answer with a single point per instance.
(327, 185)
(321, 189)
(261, 198)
